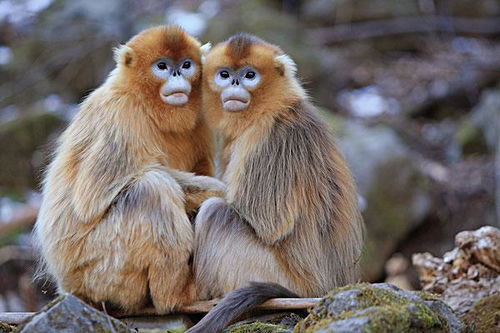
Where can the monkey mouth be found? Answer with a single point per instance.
(175, 98)
(235, 103)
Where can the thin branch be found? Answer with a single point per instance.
(15, 318)
(404, 25)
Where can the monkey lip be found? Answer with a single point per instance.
(235, 103)
(175, 98)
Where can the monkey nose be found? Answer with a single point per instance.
(235, 82)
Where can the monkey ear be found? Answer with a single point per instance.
(285, 65)
(205, 48)
(124, 55)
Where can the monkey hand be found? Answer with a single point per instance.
(194, 196)
(198, 188)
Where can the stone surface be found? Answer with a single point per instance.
(68, 314)
(380, 308)
(468, 273)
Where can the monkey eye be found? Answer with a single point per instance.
(250, 75)
(162, 65)
(224, 74)
(186, 64)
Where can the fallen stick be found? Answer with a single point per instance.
(15, 318)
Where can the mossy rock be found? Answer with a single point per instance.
(379, 308)
(484, 315)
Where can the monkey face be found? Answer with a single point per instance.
(163, 64)
(161, 68)
(235, 86)
(175, 75)
(245, 78)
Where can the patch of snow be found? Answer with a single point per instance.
(210, 8)
(53, 103)
(9, 209)
(194, 23)
(368, 102)
(5, 55)
(9, 113)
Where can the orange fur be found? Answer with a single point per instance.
(113, 225)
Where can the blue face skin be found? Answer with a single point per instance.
(177, 87)
(235, 87)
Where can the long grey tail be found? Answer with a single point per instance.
(236, 303)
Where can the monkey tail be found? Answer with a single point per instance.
(236, 303)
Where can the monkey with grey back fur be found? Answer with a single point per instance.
(290, 216)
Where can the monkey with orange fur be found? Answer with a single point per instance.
(113, 225)
(290, 220)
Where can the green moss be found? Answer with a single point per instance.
(427, 296)
(385, 309)
(484, 315)
(257, 327)
(470, 138)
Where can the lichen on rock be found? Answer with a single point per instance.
(379, 308)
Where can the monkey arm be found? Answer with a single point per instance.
(204, 166)
(270, 190)
(197, 188)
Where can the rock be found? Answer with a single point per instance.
(468, 273)
(380, 307)
(71, 315)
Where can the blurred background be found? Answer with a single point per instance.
(411, 88)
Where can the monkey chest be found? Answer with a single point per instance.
(181, 154)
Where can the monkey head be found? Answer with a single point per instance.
(162, 66)
(246, 78)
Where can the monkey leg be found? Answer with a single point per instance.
(228, 255)
(143, 246)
